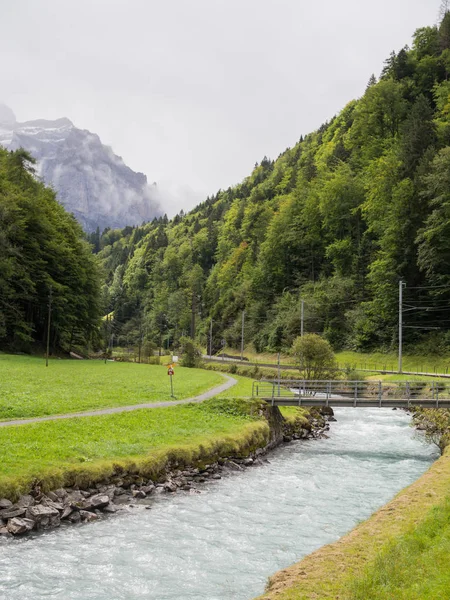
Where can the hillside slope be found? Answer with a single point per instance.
(337, 220)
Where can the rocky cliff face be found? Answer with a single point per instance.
(89, 179)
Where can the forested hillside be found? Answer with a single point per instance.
(338, 220)
(42, 252)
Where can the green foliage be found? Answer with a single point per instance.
(314, 357)
(191, 354)
(236, 407)
(83, 451)
(42, 249)
(413, 566)
(435, 423)
(337, 220)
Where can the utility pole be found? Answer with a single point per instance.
(302, 317)
(210, 338)
(242, 335)
(279, 374)
(106, 338)
(48, 324)
(401, 285)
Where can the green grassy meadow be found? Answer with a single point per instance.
(29, 389)
(413, 566)
(389, 361)
(84, 450)
(375, 361)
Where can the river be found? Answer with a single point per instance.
(222, 544)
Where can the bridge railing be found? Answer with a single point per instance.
(345, 389)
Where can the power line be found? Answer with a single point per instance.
(429, 287)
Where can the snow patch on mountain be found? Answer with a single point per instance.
(89, 179)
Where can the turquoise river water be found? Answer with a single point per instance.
(224, 543)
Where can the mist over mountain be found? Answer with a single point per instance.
(90, 180)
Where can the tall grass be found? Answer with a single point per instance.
(412, 567)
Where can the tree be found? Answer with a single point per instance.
(444, 9)
(434, 238)
(314, 357)
(435, 423)
(418, 133)
(190, 353)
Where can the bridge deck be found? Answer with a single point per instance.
(356, 394)
(358, 403)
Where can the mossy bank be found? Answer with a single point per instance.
(135, 452)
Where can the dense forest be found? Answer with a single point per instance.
(336, 222)
(44, 259)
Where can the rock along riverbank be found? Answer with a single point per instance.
(40, 511)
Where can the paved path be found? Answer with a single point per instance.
(119, 409)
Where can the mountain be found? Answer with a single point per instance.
(337, 221)
(90, 180)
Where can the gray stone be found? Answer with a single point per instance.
(110, 508)
(216, 476)
(61, 493)
(75, 496)
(68, 510)
(148, 489)
(139, 494)
(26, 501)
(170, 486)
(88, 516)
(57, 505)
(99, 501)
(4, 503)
(14, 511)
(123, 499)
(39, 512)
(53, 496)
(18, 526)
(74, 517)
(233, 465)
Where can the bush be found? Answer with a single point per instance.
(314, 357)
(191, 353)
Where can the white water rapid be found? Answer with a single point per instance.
(222, 544)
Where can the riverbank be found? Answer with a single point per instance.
(391, 555)
(77, 468)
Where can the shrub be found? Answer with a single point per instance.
(191, 353)
(314, 357)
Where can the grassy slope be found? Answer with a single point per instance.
(83, 450)
(413, 566)
(389, 361)
(371, 360)
(29, 389)
(370, 553)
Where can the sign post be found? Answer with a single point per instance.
(171, 373)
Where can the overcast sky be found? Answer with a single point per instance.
(194, 92)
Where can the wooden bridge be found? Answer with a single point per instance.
(357, 394)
